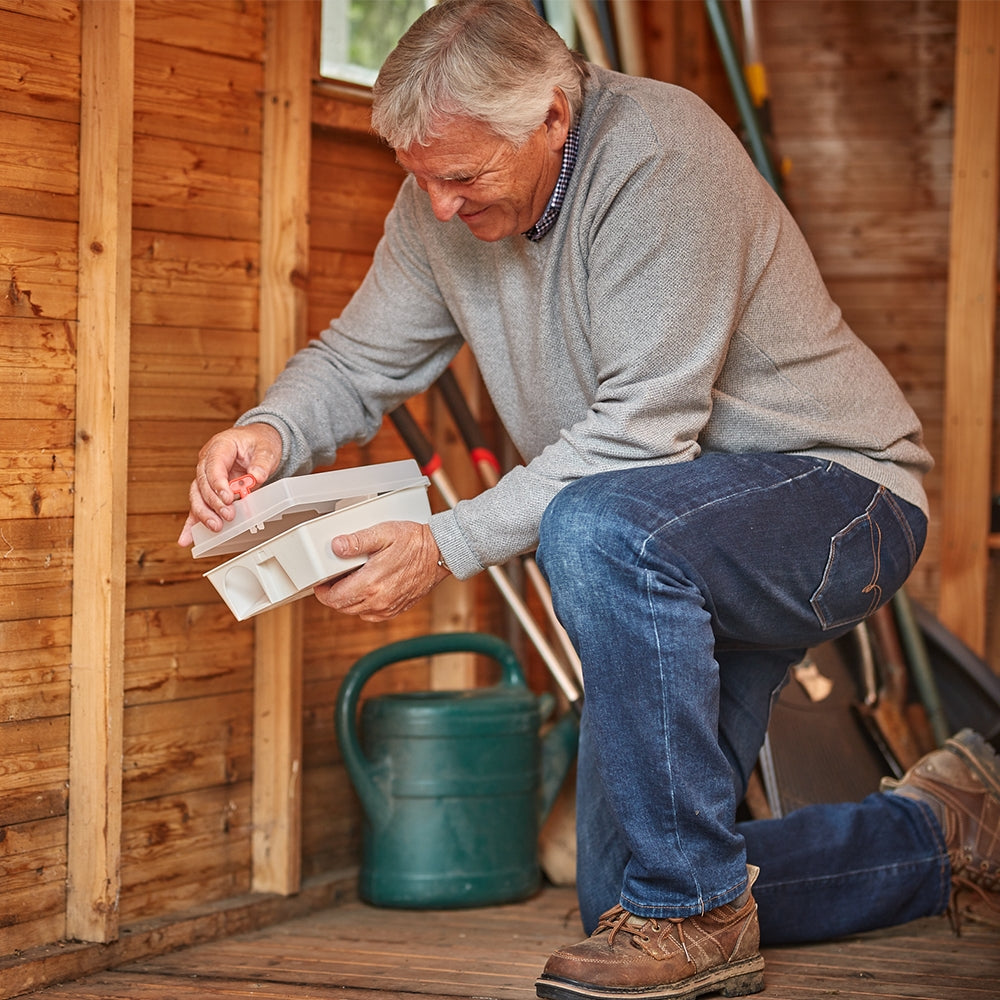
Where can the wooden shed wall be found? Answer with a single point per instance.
(40, 130)
(186, 726)
(862, 104)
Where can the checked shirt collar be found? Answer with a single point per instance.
(551, 213)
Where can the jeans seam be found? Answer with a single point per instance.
(728, 497)
(933, 827)
(703, 905)
(917, 862)
(664, 733)
(911, 542)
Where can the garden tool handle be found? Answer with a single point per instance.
(430, 465)
(488, 467)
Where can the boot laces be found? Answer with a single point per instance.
(679, 924)
(983, 882)
(619, 920)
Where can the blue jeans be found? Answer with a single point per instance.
(689, 590)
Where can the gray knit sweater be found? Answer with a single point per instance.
(674, 309)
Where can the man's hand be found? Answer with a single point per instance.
(252, 450)
(402, 568)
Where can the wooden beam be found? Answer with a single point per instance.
(628, 28)
(972, 297)
(284, 255)
(102, 389)
(453, 602)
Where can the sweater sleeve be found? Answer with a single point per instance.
(391, 342)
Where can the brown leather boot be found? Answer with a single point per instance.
(658, 959)
(961, 783)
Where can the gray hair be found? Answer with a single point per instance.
(495, 61)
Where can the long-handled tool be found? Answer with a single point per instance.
(628, 31)
(557, 839)
(890, 711)
(589, 28)
(753, 67)
(430, 464)
(488, 467)
(741, 93)
(864, 710)
(920, 666)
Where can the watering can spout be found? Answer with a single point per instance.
(558, 753)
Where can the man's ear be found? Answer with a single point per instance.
(557, 120)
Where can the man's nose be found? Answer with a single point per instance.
(445, 200)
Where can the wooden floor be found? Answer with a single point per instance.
(357, 952)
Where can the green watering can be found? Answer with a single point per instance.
(454, 784)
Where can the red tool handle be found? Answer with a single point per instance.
(472, 434)
(489, 471)
(430, 464)
(414, 439)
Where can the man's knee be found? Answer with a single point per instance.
(582, 524)
(560, 531)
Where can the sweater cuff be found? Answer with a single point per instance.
(455, 551)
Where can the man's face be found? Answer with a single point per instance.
(495, 188)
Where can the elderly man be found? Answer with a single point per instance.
(717, 474)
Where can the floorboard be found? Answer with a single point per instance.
(359, 952)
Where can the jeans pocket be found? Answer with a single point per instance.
(868, 561)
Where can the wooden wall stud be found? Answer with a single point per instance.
(284, 253)
(972, 298)
(98, 631)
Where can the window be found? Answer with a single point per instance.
(358, 35)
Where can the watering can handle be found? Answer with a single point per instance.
(406, 649)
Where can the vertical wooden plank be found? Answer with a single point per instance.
(453, 602)
(98, 631)
(630, 39)
(284, 255)
(659, 23)
(972, 296)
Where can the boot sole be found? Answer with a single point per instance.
(737, 980)
(980, 756)
(976, 753)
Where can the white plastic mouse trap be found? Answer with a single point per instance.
(283, 530)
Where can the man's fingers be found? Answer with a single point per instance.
(186, 539)
(400, 568)
(357, 543)
(206, 506)
(254, 449)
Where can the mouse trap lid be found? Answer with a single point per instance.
(264, 513)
